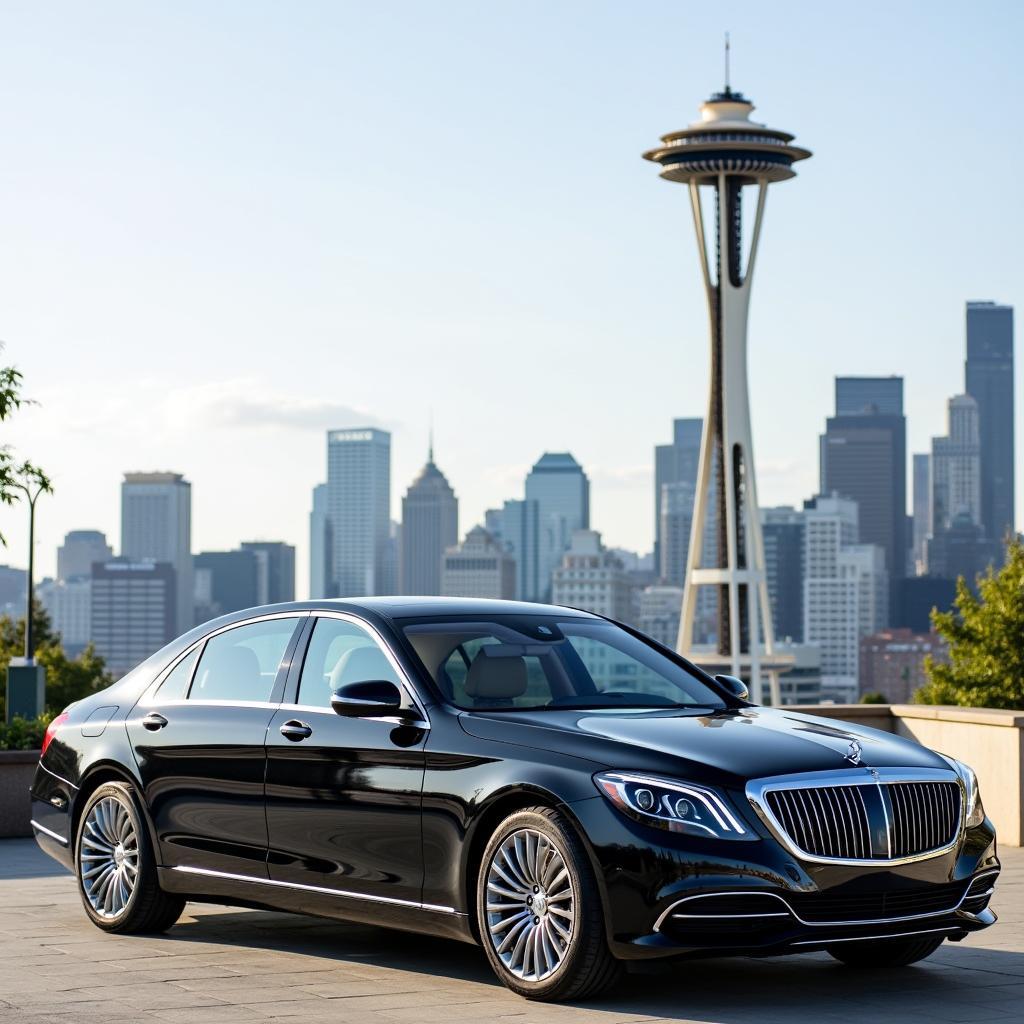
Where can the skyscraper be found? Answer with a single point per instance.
(956, 466)
(430, 525)
(358, 509)
(989, 380)
(726, 151)
(675, 522)
(80, 549)
(922, 503)
(561, 490)
(225, 581)
(864, 457)
(275, 563)
(520, 534)
(156, 525)
(677, 462)
(592, 578)
(783, 529)
(320, 561)
(869, 396)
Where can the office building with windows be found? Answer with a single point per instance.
(783, 531)
(478, 567)
(156, 526)
(593, 579)
(430, 526)
(320, 563)
(69, 605)
(133, 610)
(869, 396)
(675, 463)
(275, 562)
(675, 521)
(520, 535)
(892, 662)
(922, 505)
(358, 510)
(225, 581)
(561, 491)
(989, 381)
(658, 612)
(956, 467)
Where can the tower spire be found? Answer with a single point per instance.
(430, 438)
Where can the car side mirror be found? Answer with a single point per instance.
(735, 686)
(369, 699)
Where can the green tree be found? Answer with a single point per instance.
(985, 634)
(67, 679)
(874, 697)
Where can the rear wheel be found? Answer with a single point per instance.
(116, 870)
(539, 910)
(886, 952)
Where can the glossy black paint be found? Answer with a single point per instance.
(385, 821)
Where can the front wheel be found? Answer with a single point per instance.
(116, 870)
(539, 910)
(885, 952)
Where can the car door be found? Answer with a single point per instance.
(198, 739)
(344, 794)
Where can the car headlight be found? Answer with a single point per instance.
(673, 805)
(972, 794)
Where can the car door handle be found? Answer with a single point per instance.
(294, 730)
(153, 721)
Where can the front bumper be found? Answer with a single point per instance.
(672, 895)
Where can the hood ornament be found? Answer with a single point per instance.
(853, 755)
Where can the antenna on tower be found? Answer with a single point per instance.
(430, 443)
(727, 89)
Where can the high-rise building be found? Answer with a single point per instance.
(593, 579)
(989, 380)
(864, 458)
(225, 581)
(962, 549)
(725, 152)
(869, 396)
(845, 591)
(675, 522)
(892, 662)
(391, 563)
(80, 549)
(956, 467)
(520, 534)
(156, 525)
(675, 463)
(783, 530)
(922, 502)
(69, 605)
(320, 560)
(561, 490)
(919, 596)
(358, 509)
(430, 526)
(478, 567)
(13, 590)
(133, 610)
(275, 563)
(658, 611)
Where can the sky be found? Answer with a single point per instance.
(228, 227)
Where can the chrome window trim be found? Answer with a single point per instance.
(757, 789)
(870, 938)
(404, 681)
(814, 924)
(345, 894)
(149, 695)
(48, 832)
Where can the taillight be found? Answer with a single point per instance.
(51, 731)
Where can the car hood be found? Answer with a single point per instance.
(734, 745)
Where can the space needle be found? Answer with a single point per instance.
(724, 153)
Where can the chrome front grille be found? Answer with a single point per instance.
(862, 819)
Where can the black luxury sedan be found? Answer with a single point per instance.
(543, 781)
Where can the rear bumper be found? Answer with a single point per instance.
(662, 892)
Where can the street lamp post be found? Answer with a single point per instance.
(26, 681)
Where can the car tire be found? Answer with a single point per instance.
(885, 952)
(115, 866)
(539, 910)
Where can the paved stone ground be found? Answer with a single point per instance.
(224, 965)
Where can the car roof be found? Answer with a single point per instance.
(402, 607)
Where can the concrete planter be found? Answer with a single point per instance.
(17, 767)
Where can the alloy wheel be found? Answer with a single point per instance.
(531, 905)
(108, 857)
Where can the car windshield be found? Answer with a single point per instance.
(536, 662)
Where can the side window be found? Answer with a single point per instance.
(241, 664)
(175, 686)
(340, 652)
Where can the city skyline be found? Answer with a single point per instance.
(121, 388)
